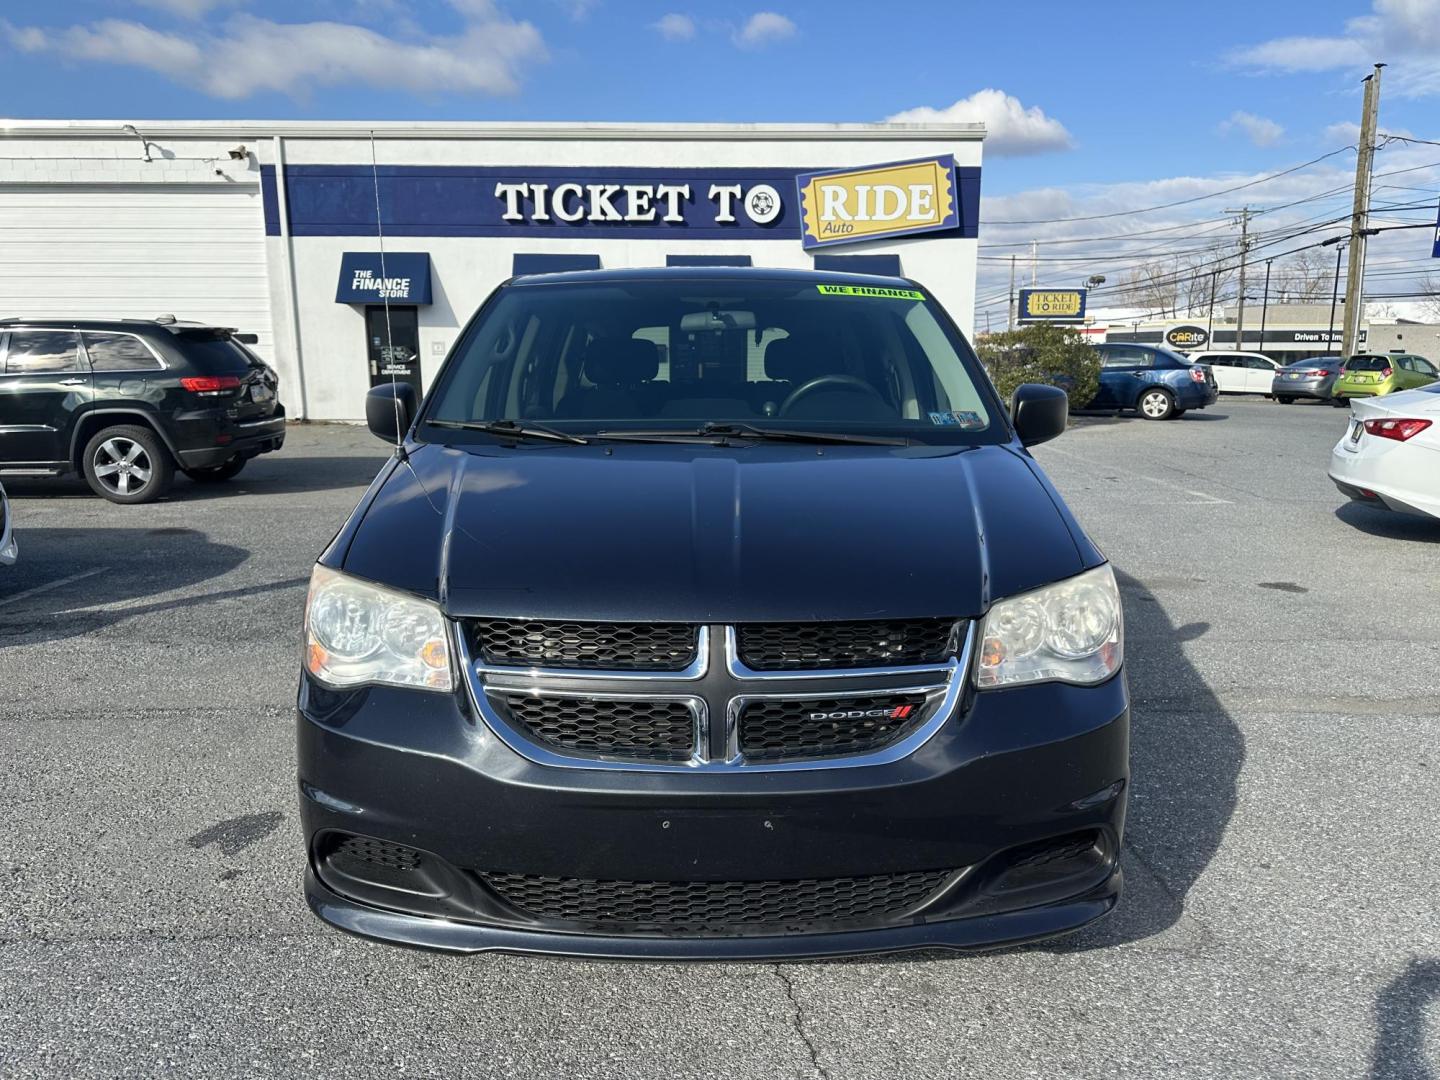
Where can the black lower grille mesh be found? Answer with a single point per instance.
(788, 646)
(632, 728)
(717, 907)
(826, 727)
(607, 646)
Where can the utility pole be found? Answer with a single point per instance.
(1335, 292)
(1034, 263)
(1359, 216)
(1210, 326)
(1010, 315)
(1244, 213)
(1265, 306)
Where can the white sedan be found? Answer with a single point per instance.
(8, 550)
(1390, 454)
(1239, 372)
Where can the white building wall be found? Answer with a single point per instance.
(88, 228)
(464, 270)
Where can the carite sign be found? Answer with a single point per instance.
(899, 199)
(1051, 305)
(1187, 337)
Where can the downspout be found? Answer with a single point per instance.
(292, 298)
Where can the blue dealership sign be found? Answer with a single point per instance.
(535, 202)
(401, 277)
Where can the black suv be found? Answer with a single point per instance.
(128, 401)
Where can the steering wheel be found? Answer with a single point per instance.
(836, 382)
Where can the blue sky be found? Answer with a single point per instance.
(1092, 107)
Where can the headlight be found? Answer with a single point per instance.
(1072, 631)
(356, 633)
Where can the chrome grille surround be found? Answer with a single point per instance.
(718, 687)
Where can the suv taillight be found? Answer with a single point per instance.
(1399, 430)
(211, 385)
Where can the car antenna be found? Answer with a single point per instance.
(389, 353)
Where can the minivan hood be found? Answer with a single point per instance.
(635, 532)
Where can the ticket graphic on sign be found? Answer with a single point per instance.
(878, 201)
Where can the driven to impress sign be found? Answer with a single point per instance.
(882, 200)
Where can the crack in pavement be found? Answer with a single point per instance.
(797, 1020)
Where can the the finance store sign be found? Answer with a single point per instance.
(819, 208)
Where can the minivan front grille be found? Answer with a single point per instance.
(586, 645)
(637, 728)
(772, 729)
(824, 645)
(709, 908)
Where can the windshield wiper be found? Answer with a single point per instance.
(511, 429)
(723, 430)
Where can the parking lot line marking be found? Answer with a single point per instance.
(49, 585)
(1203, 498)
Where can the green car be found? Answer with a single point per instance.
(1373, 374)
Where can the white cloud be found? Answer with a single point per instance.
(675, 27)
(1406, 33)
(187, 9)
(764, 28)
(1260, 130)
(247, 55)
(1011, 128)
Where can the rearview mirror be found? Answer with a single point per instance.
(389, 410)
(698, 321)
(1039, 412)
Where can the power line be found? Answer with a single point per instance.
(1181, 202)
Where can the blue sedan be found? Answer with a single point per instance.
(1156, 382)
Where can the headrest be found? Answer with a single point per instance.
(786, 359)
(621, 361)
(797, 359)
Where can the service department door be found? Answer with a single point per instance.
(394, 349)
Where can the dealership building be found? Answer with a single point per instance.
(305, 233)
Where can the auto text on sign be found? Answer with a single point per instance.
(880, 201)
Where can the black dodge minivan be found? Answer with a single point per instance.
(712, 613)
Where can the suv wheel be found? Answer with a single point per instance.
(127, 465)
(214, 474)
(1157, 404)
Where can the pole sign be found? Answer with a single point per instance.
(1051, 305)
(900, 199)
(1435, 251)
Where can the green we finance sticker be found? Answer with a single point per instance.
(867, 290)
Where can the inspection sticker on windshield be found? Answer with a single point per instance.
(869, 290)
(968, 420)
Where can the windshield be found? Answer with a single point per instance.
(675, 355)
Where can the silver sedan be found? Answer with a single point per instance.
(1313, 378)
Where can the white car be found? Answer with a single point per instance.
(8, 550)
(1239, 372)
(1390, 454)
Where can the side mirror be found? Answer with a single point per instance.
(1039, 412)
(389, 409)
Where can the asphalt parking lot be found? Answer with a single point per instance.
(1281, 915)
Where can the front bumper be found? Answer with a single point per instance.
(1011, 771)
